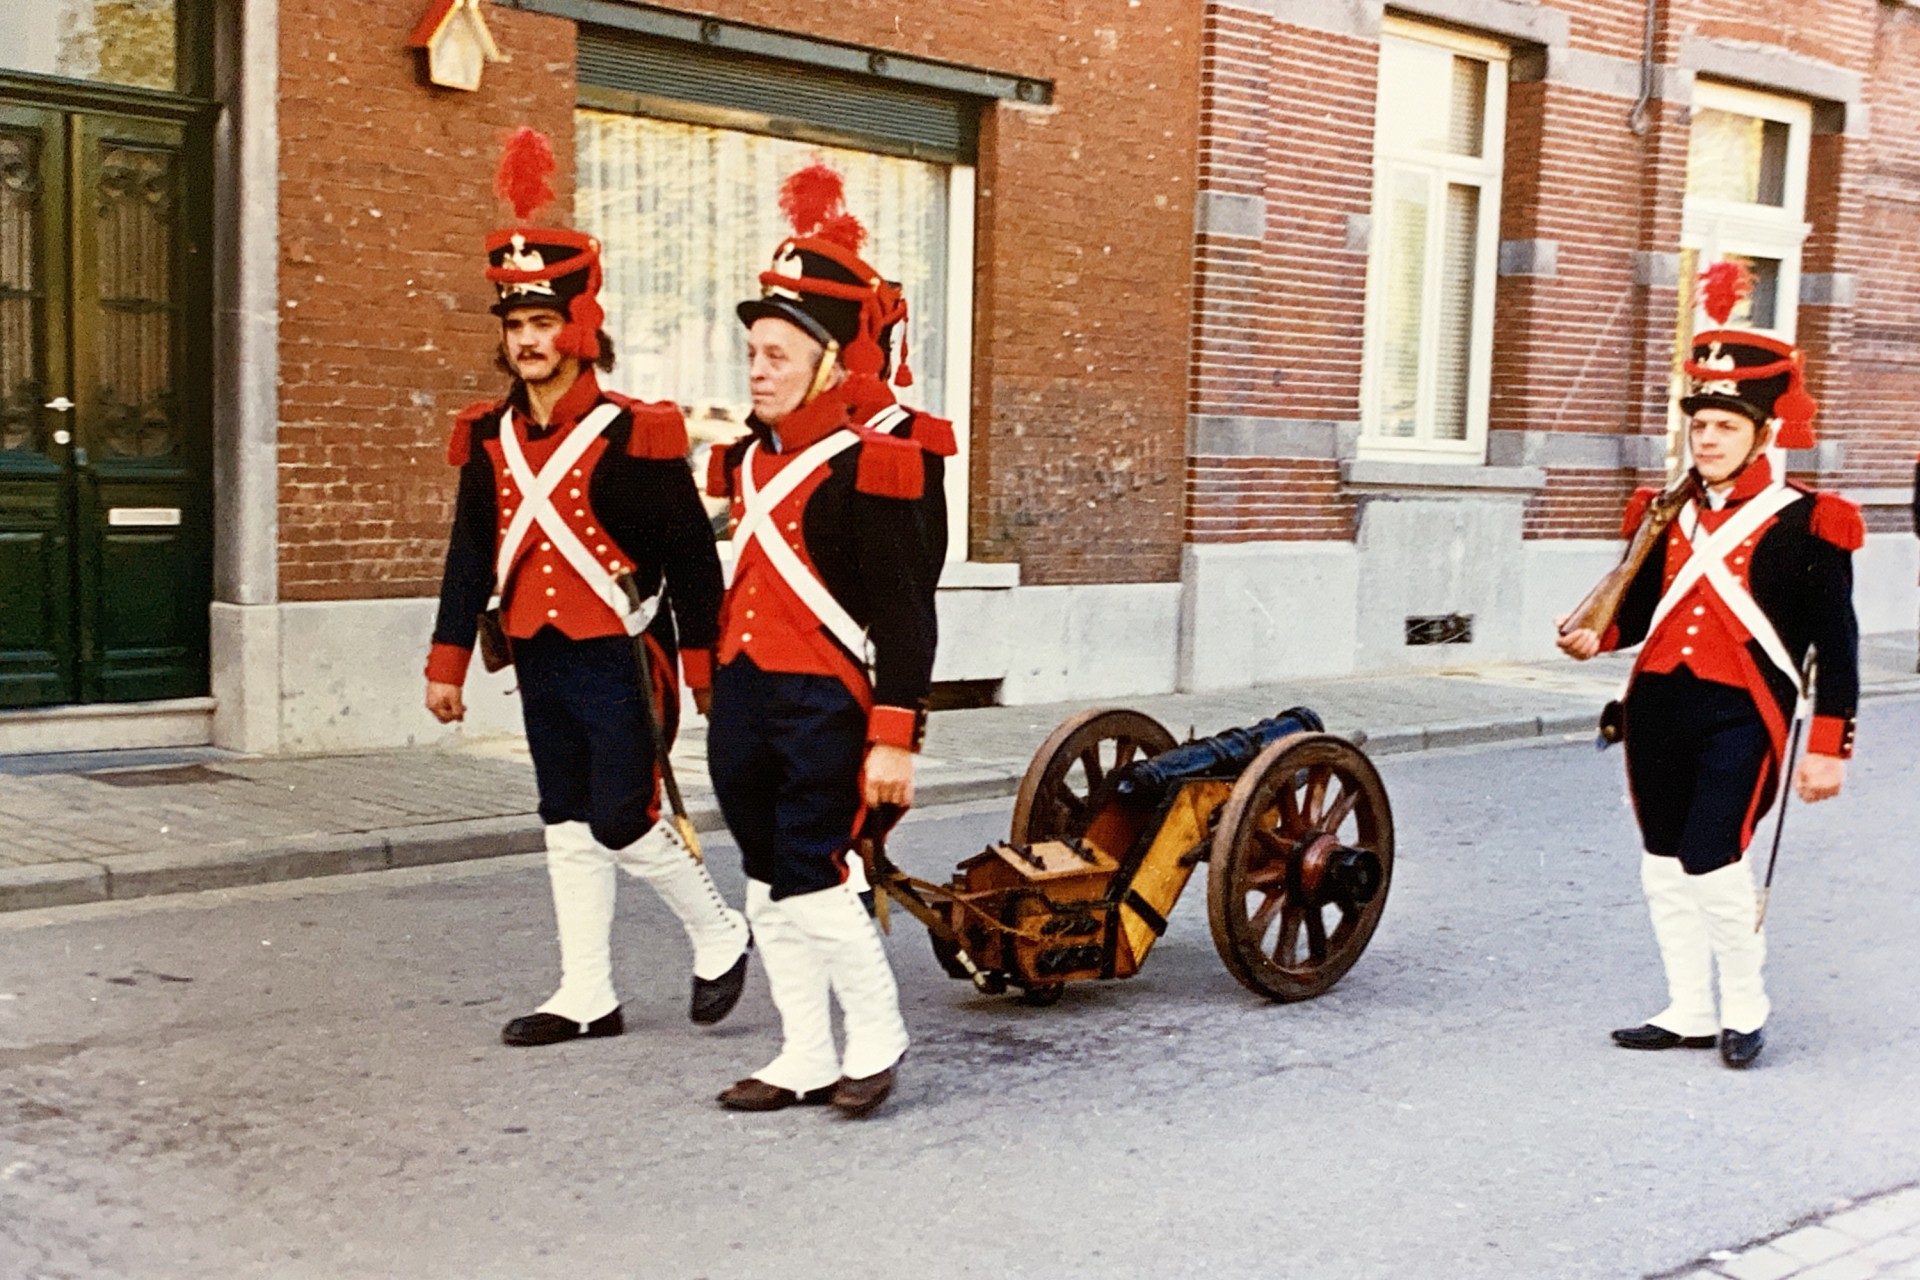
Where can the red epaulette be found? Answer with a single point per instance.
(935, 435)
(889, 467)
(719, 482)
(460, 443)
(1636, 511)
(658, 430)
(1838, 521)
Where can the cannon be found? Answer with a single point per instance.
(1111, 819)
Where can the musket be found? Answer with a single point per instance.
(1807, 669)
(1602, 604)
(643, 662)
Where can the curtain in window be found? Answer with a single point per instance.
(688, 216)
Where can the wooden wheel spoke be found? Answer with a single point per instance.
(1341, 809)
(1074, 807)
(1316, 935)
(1262, 918)
(1283, 945)
(1317, 778)
(1289, 807)
(1123, 753)
(1273, 842)
(1090, 761)
(1267, 876)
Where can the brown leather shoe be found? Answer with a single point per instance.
(754, 1094)
(855, 1098)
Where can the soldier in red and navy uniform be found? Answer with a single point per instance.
(565, 488)
(1749, 577)
(827, 641)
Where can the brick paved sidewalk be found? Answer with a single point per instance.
(1877, 1238)
(129, 824)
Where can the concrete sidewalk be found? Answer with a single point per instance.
(130, 824)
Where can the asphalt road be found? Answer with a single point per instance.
(305, 1081)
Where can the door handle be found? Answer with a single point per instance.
(60, 404)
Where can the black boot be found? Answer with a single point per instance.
(713, 999)
(1738, 1049)
(1648, 1036)
(551, 1028)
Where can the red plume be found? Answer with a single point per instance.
(526, 162)
(1723, 285)
(1795, 409)
(815, 202)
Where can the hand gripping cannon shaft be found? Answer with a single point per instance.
(1111, 819)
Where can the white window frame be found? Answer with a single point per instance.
(1444, 168)
(1714, 228)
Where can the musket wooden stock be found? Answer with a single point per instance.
(1602, 604)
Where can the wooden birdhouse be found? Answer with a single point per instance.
(456, 44)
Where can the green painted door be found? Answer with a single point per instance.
(105, 566)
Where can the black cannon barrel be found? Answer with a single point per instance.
(1146, 782)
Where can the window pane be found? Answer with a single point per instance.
(22, 378)
(1453, 342)
(1467, 114)
(1431, 100)
(1405, 267)
(118, 41)
(136, 207)
(688, 216)
(1737, 157)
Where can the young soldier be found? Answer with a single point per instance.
(1748, 577)
(840, 532)
(564, 490)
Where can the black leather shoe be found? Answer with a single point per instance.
(551, 1028)
(1738, 1049)
(753, 1094)
(713, 999)
(855, 1098)
(1648, 1036)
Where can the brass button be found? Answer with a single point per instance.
(573, 493)
(1699, 610)
(1687, 651)
(602, 548)
(1693, 631)
(551, 590)
(590, 531)
(546, 546)
(746, 637)
(553, 613)
(546, 568)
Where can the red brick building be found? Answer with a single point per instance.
(1283, 337)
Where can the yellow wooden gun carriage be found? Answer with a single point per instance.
(1111, 820)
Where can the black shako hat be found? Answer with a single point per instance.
(1749, 373)
(819, 282)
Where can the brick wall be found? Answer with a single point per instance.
(1085, 221)
(1584, 349)
(1882, 408)
(385, 197)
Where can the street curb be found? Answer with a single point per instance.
(140, 875)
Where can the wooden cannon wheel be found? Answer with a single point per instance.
(1301, 863)
(1073, 764)
(1065, 777)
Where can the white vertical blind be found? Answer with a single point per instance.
(688, 216)
(1437, 157)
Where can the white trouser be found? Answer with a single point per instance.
(838, 928)
(1728, 904)
(1701, 921)
(797, 980)
(718, 932)
(1685, 949)
(810, 944)
(581, 870)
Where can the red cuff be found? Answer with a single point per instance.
(1831, 736)
(696, 668)
(1610, 639)
(447, 664)
(896, 727)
